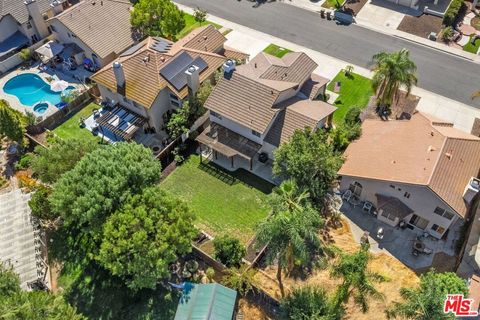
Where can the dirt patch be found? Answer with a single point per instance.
(421, 26)
(402, 108)
(354, 6)
(475, 22)
(397, 273)
(251, 310)
(442, 262)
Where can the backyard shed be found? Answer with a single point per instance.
(206, 302)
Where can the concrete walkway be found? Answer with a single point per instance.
(252, 42)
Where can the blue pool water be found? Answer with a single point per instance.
(30, 89)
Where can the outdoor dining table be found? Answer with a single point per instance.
(419, 245)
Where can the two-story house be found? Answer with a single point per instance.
(420, 171)
(257, 106)
(22, 23)
(100, 29)
(155, 76)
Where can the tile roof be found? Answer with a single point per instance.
(296, 114)
(103, 26)
(313, 85)
(143, 81)
(206, 38)
(250, 94)
(419, 151)
(18, 10)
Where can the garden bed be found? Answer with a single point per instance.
(224, 202)
(421, 26)
(469, 47)
(355, 91)
(332, 4)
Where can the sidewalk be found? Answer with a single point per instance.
(252, 42)
(390, 19)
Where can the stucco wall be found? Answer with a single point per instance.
(422, 200)
(159, 107)
(238, 128)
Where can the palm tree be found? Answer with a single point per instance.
(358, 281)
(289, 236)
(240, 279)
(392, 72)
(288, 196)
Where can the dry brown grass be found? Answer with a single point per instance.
(397, 273)
(251, 311)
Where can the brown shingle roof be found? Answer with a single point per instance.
(205, 38)
(231, 53)
(104, 26)
(296, 114)
(244, 100)
(143, 81)
(313, 85)
(416, 152)
(297, 67)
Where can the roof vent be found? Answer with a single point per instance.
(255, 65)
(449, 155)
(146, 58)
(432, 133)
(162, 58)
(93, 2)
(431, 148)
(205, 38)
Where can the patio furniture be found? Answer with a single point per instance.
(337, 86)
(427, 250)
(380, 233)
(418, 245)
(367, 206)
(347, 195)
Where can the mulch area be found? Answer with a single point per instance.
(421, 26)
(354, 6)
(401, 109)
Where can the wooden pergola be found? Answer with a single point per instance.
(122, 122)
(228, 143)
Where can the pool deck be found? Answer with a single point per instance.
(62, 75)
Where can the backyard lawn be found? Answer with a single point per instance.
(71, 128)
(224, 202)
(355, 90)
(469, 47)
(191, 24)
(276, 51)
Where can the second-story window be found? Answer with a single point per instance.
(256, 133)
(216, 115)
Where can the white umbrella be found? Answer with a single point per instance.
(59, 86)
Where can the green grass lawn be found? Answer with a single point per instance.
(191, 24)
(355, 91)
(469, 47)
(71, 128)
(224, 202)
(276, 51)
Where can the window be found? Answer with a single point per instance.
(392, 186)
(406, 195)
(356, 188)
(216, 115)
(443, 213)
(173, 97)
(387, 215)
(256, 133)
(418, 222)
(175, 103)
(29, 25)
(52, 28)
(438, 229)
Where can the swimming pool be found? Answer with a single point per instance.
(30, 89)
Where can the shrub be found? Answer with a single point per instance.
(452, 12)
(40, 205)
(447, 33)
(309, 303)
(229, 250)
(25, 181)
(25, 54)
(353, 116)
(210, 273)
(24, 162)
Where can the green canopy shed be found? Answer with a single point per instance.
(206, 302)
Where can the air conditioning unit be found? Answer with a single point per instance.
(472, 188)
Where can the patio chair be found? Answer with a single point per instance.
(347, 195)
(367, 206)
(427, 250)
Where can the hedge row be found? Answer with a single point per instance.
(452, 12)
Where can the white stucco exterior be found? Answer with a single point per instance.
(421, 199)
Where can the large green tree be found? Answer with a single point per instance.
(392, 71)
(357, 280)
(95, 188)
(62, 155)
(291, 237)
(426, 301)
(309, 303)
(157, 18)
(12, 123)
(309, 160)
(17, 304)
(145, 236)
(40, 204)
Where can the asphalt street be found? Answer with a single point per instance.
(439, 72)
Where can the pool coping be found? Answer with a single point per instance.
(15, 103)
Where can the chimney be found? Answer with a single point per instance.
(37, 18)
(472, 188)
(57, 6)
(119, 77)
(193, 80)
(228, 67)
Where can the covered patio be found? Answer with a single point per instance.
(123, 123)
(229, 143)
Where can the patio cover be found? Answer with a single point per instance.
(13, 42)
(121, 122)
(393, 206)
(227, 142)
(206, 302)
(49, 50)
